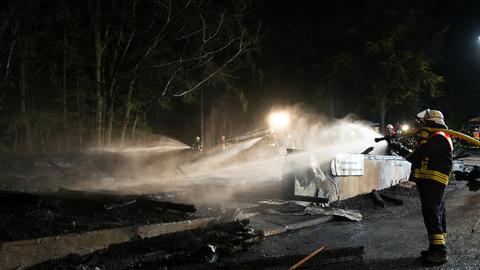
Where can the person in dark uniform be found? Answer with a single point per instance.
(431, 167)
(197, 144)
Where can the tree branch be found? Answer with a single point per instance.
(165, 89)
(210, 76)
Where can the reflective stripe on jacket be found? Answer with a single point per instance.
(432, 160)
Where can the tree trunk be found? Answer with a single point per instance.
(99, 97)
(331, 104)
(383, 112)
(64, 94)
(202, 123)
(111, 90)
(212, 139)
(134, 127)
(128, 108)
(42, 139)
(110, 109)
(9, 58)
(80, 124)
(15, 141)
(23, 107)
(98, 76)
(81, 112)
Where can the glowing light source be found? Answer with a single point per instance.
(405, 127)
(278, 120)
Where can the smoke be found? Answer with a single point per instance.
(170, 165)
(158, 145)
(315, 133)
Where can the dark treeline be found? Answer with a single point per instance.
(379, 60)
(75, 74)
(88, 73)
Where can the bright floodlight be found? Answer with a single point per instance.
(278, 120)
(405, 127)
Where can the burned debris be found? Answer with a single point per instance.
(196, 247)
(29, 215)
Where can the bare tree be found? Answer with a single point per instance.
(171, 39)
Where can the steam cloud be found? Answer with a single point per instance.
(173, 166)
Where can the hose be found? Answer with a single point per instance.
(452, 133)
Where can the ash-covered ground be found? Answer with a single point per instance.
(393, 236)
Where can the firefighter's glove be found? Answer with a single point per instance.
(473, 185)
(400, 149)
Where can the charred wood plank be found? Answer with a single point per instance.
(151, 202)
(377, 199)
(310, 199)
(337, 258)
(103, 198)
(203, 246)
(391, 199)
(17, 198)
(25, 253)
(111, 201)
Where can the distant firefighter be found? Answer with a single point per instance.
(197, 145)
(390, 133)
(476, 133)
(222, 142)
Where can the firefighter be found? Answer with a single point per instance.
(390, 131)
(197, 144)
(390, 134)
(431, 166)
(222, 143)
(476, 133)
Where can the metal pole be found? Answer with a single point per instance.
(201, 118)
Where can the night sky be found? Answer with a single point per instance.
(296, 33)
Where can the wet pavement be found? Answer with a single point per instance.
(392, 236)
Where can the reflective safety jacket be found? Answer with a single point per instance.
(432, 159)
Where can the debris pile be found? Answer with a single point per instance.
(195, 247)
(29, 215)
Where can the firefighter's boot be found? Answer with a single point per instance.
(435, 254)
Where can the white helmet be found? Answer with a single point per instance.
(389, 127)
(432, 115)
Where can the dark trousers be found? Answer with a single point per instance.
(432, 197)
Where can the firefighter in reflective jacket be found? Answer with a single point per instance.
(431, 167)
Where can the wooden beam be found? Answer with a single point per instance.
(26, 253)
